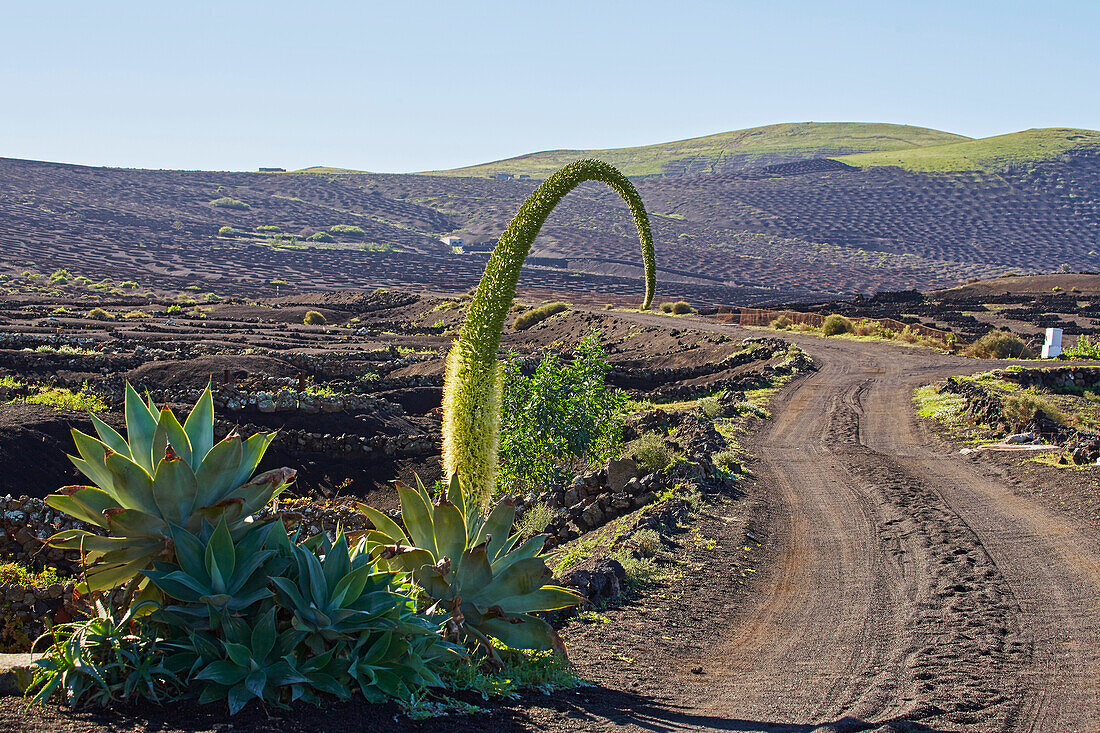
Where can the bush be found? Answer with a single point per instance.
(710, 407)
(1021, 408)
(834, 325)
(536, 519)
(537, 315)
(562, 416)
(348, 231)
(314, 318)
(782, 323)
(322, 237)
(227, 232)
(666, 307)
(269, 229)
(137, 314)
(999, 345)
(646, 542)
(1084, 348)
(228, 203)
(98, 314)
(651, 452)
(681, 307)
(174, 309)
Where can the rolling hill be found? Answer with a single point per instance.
(987, 154)
(810, 228)
(727, 151)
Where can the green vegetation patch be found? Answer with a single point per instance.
(227, 203)
(988, 154)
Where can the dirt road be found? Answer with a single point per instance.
(908, 590)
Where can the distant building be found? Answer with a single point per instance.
(273, 170)
(451, 241)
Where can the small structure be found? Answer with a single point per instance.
(502, 176)
(1052, 347)
(272, 170)
(455, 243)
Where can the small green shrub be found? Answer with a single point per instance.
(136, 314)
(314, 318)
(1084, 348)
(172, 309)
(348, 231)
(12, 573)
(1021, 408)
(65, 399)
(128, 285)
(269, 229)
(322, 237)
(227, 232)
(782, 323)
(98, 314)
(646, 542)
(681, 308)
(227, 203)
(538, 315)
(834, 325)
(727, 461)
(999, 345)
(710, 407)
(535, 520)
(651, 452)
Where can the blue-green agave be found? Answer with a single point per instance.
(471, 568)
(161, 474)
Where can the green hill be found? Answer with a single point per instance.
(727, 151)
(984, 154)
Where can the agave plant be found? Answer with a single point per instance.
(471, 567)
(472, 388)
(161, 474)
(219, 576)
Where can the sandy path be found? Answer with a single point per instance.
(909, 590)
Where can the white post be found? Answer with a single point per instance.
(1052, 347)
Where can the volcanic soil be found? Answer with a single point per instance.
(869, 578)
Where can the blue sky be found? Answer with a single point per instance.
(406, 86)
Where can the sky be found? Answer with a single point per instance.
(408, 86)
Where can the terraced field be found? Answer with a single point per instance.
(796, 231)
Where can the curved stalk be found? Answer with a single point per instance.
(472, 386)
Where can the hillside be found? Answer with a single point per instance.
(726, 152)
(802, 230)
(987, 154)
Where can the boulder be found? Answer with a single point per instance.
(620, 471)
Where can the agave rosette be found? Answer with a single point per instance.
(162, 473)
(471, 567)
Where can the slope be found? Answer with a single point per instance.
(987, 154)
(727, 151)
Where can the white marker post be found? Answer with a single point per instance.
(1052, 347)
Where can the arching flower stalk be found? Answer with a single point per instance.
(473, 384)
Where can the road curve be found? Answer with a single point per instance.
(910, 590)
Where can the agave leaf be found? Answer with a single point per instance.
(417, 515)
(218, 471)
(199, 427)
(450, 530)
(473, 572)
(309, 569)
(178, 584)
(530, 548)
(254, 449)
(174, 489)
(456, 497)
(110, 436)
(134, 523)
(546, 598)
(384, 524)
(222, 672)
(177, 436)
(350, 587)
(133, 486)
(263, 488)
(530, 633)
(105, 577)
(432, 581)
(497, 527)
(87, 504)
(92, 461)
(337, 565)
(263, 635)
(409, 560)
(220, 557)
(521, 577)
(141, 424)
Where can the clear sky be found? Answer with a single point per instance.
(404, 85)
